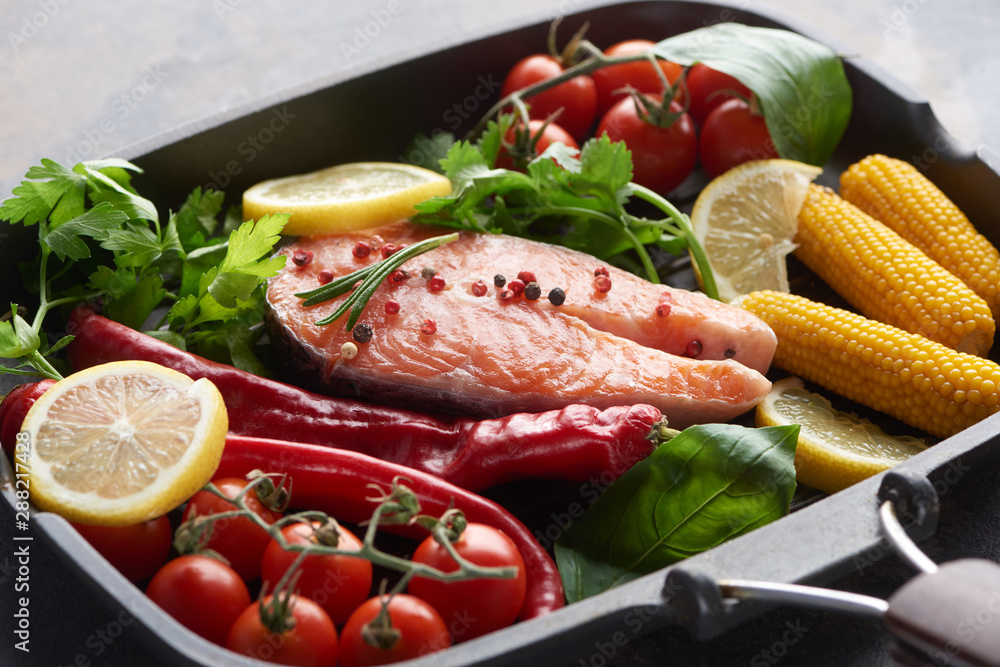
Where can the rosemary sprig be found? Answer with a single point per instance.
(370, 278)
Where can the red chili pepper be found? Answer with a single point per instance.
(336, 482)
(576, 443)
(13, 409)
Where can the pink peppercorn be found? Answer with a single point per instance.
(662, 309)
(602, 284)
(391, 307)
(516, 286)
(436, 283)
(398, 276)
(325, 276)
(302, 257)
(361, 249)
(693, 349)
(526, 277)
(479, 288)
(388, 249)
(600, 271)
(506, 294)
(428, 327)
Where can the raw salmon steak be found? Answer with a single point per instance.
(697, 360)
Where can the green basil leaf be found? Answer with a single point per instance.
(800, 83)
(707, 485)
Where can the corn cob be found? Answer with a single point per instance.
(920, 382)
(886, 278)
(896, 194)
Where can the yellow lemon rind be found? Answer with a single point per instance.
(173, 486)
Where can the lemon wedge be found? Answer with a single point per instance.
(836, 449)
(123, 442)
(746, 220)
(344, 198)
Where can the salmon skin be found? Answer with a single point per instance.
(489, 356)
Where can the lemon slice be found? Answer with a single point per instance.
(746, 221)
(836, 449)
(345, 198)
(123, 442)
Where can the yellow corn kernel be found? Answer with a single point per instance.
(925, 384)
(896, 194)
(886, 278)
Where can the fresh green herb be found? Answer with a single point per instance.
(94, 230)
(706, 485)
(367, 280)
(800, 83)
(579, 202)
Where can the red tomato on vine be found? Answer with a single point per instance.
(237, 539)
(473, 607)
(137, 551)
(709, 88)
(575, 100)
(311, 641)
(524, 149)
(734, 133)
(337, 583)
(415, 629)
(641, 75)
(664, 146)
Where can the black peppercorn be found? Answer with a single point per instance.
(362, 332)
(532, 291)
(557, 296)
(499, 280)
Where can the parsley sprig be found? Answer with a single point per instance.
(99, 239)
(576, 201)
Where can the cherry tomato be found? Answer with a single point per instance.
(238, 540)
(421, 632)
(702, 84)
(311, 642)
(553, 133)
(662, 157)
(473, 607)
(137, 551)
(732, 135)
(336, 583)
(577, 97)
(204, 594)
(610, 81)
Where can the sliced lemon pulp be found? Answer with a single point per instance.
(346, 197)
(836, 449)
(123, 442)
(746, 220)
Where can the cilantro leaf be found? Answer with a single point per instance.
(252, 241)
(137, 302)
(51, 192)
(196, 220)
(135, 245)
(66, 240)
